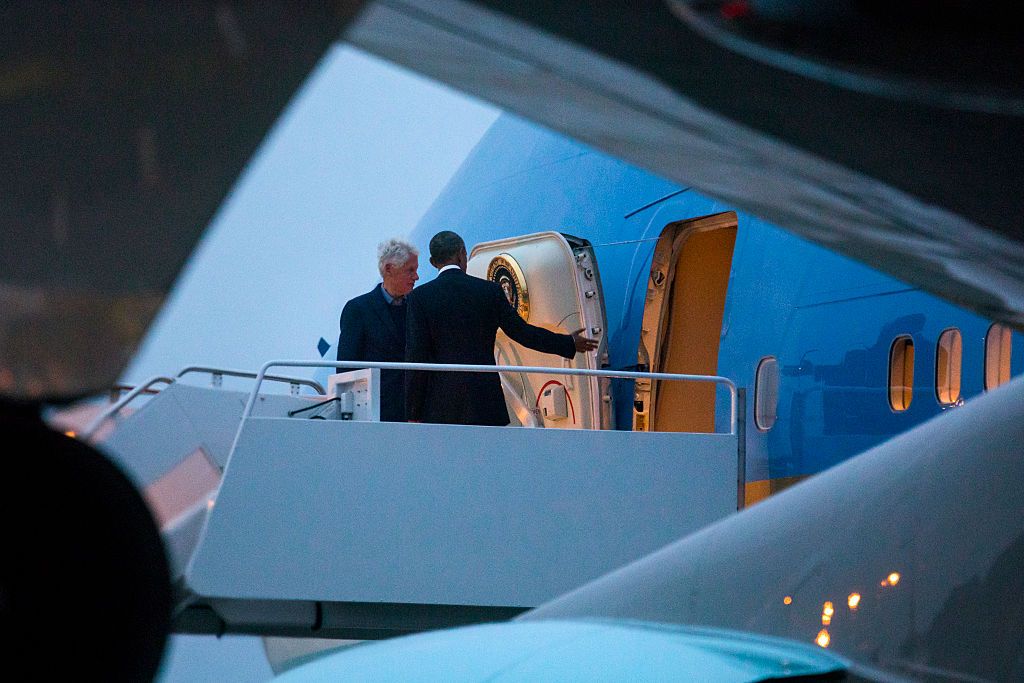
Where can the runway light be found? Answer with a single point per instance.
(853, 601)
(827, 610)
(788, 600)
(823, 638)
(893, 578)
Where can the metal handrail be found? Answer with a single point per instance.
(118, 389)
(252, 375)
(113, 409)
(116, 407)
(432, 367)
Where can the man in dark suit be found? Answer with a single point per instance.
(373, 324)
(454, 319)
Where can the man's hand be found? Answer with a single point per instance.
(583, 344)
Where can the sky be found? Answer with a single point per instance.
(359, 155)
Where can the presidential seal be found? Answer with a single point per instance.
(506, 272)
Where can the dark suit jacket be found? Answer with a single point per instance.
(454, 319)
(368, 332)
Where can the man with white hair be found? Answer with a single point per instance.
(373, 324)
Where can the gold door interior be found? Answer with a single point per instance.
(688, 303)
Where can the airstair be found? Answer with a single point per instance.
(282, 518)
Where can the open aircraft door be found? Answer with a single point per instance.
(553, 282)
(681, 330)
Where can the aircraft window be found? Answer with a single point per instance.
(766, 393)
(997, 356)
(948, 354)
(901, 373)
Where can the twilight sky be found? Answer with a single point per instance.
(359, 155)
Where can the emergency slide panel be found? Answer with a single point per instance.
(364, 512)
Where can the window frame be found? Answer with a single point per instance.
(908, 389)
(1000, 380)
(959, 366)
(757, 392)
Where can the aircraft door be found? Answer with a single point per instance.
(552, 280)
(682, 323)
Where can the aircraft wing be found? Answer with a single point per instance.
(591, 650)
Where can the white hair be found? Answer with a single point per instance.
(394, 251)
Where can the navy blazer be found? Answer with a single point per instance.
(369, 333)
(454, 319)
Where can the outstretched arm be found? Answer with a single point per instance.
(537, 338)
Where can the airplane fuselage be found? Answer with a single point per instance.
(839, 332)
